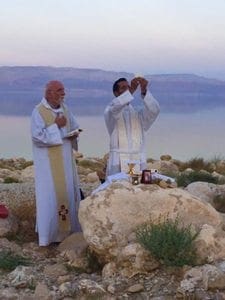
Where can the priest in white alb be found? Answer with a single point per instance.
(127, 126)
(54, 134)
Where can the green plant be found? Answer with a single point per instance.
(150, 160)
(169, 242)
(185, 179)
(197, 164)
(11, 180)
(32, 285)
(9, 261)
(216, 159)
(93, 262)
(73, 269)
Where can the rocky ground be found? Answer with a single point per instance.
(67, 272)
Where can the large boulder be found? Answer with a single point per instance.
(20, 201)
(209, 192)
(109, 218)
(164, 167)
(19, 198)
(8, 226)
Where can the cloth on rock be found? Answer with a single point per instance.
(123, 176)
(56, 179)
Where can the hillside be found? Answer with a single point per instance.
(89, 90)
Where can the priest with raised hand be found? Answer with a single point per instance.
(54, 133)
(127, 126)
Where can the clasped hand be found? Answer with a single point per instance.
(60, 121)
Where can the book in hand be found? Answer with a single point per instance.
(73, 133)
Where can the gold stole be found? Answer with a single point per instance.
(57, 169)
(126, 154)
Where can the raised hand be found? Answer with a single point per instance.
(133, 85)
(143, 84)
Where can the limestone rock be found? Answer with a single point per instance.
(19, 198)
(213, 278)
(8, 226)
(74, 242)
(21, 277)
(90, 287)
(55, 270)
(92, 177)
(109, 218)
(27, 174)
(210, 244)
(166, 157)
(109, 270)
(74, 249)
(164, 167)
(209, 192)
(135, 288)
(42, 292)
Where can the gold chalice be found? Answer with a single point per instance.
(131, 170)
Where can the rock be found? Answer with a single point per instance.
(109, 218)
(21, 277)
(164, 167)
(163, 184)
(27, 174)
(213, 278)
(210, 244)
(42, 292)
(92, 177)
(75, 242)
(111, 289)
(8, 226)
(209, 192)
(9, 294)
(19, 198)
(90, 287)
(192, 279)
(109, 270)
(188, 171)
(134, 259)
(135, 288)
(220, 166)
(55, 270)
(63, 279)
(166, 157)
(10, 246)
(66, 289)
(6, 173)
(78, 155)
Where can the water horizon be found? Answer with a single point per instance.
(183, 136)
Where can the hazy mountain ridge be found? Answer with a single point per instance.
(89, 90)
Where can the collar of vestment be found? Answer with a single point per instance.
(47, 105)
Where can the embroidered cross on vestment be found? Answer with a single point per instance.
(63, 212)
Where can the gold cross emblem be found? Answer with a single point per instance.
(63, 212)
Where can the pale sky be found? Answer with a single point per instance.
(142, 36)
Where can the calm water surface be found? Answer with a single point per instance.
(181, 135)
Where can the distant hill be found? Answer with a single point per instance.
(89, 90)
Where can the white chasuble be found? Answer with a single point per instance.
(57, 170)
(127, 126)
